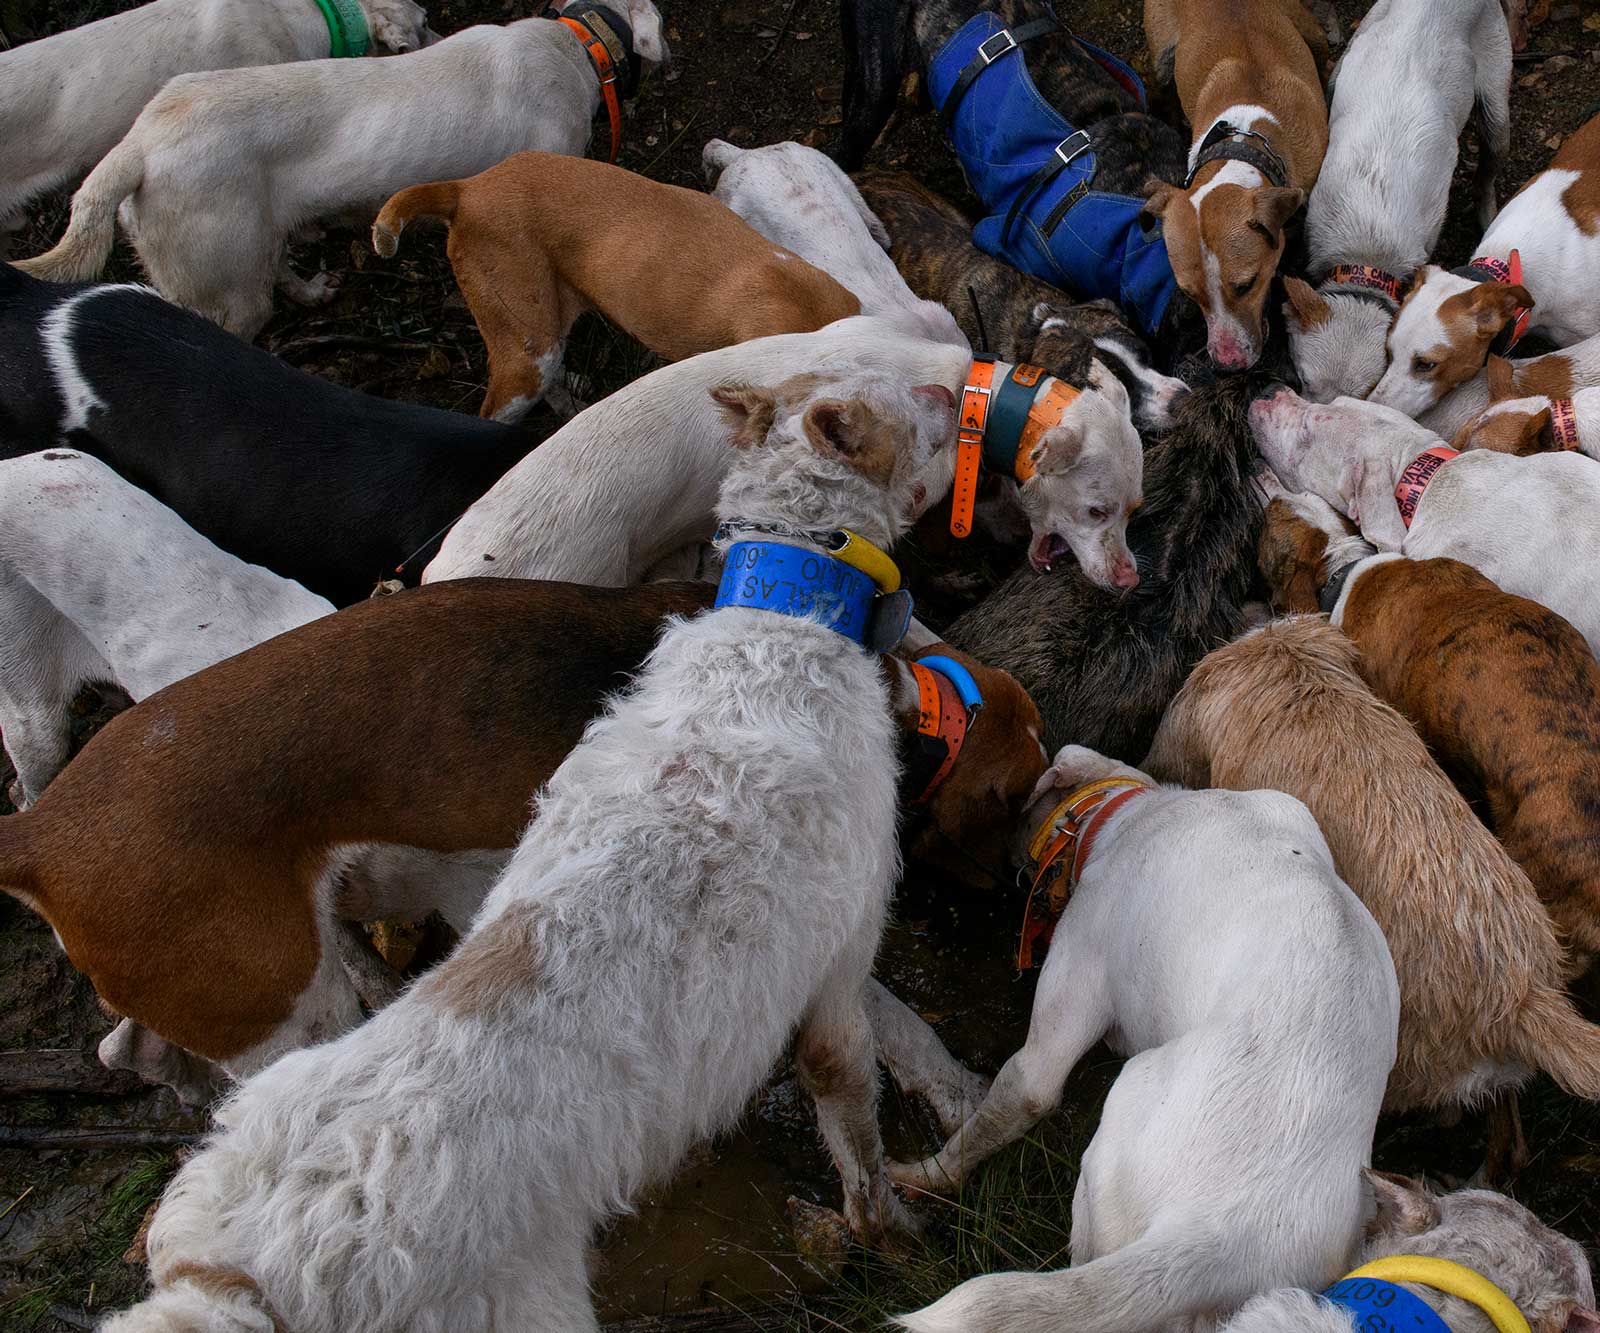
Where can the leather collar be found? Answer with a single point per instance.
(608, 42)
(1001, 418)
(1071, 826)
(1328, 598)
(1225, 142)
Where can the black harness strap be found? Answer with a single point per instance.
(1001, 44)
(1222, 144)
(1070, 148)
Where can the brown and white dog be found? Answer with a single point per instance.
(1249, 76)
(1540, 255)
(1479, 963)
(1553, 375)
(240, 815)
(1531, 423)
(1505, 693)
(541, 238)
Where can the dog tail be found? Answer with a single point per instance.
(81, 253)
(1556, 1039)
(1151, 1283)
(438, 199)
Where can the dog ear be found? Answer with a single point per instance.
(749, 411)
(852, 433)
(1058, 448)
(1580, 1320)
(1502, 379)
(1156, 205)
(1493, 304)
(1532, 428)
(1400, 1206)
(1275, 206)
(1306, 308)
(645, 20)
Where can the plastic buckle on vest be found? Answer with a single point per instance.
(1007, 44)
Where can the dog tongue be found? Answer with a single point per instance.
(1046, 551)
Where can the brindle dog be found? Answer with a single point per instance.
(886, 39)
(1102, 666)
(1012, 314)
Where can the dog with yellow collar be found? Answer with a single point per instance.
(1469, 1262)
(1206, 935)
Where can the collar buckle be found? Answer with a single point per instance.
(1079, 146)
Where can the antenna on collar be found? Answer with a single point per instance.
(977, 314)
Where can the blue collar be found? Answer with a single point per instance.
(1383, 1307)
(795, 581)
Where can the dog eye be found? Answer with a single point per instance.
(1243, 288)
(1098, 513)
(1423, 366)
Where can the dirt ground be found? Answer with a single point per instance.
(753, 72)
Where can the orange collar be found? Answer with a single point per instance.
(605, 69)
(1072, 826)
(1414, 480)
(1564, 423)
(943, 719)
(1001, 425)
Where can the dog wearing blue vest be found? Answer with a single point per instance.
(65, 100)
(1053, 136)
(706, 874)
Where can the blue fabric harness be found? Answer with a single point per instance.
(1035, 173)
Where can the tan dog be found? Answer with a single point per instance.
(240, 815)
(1479, 964)
(1505, 693)
(1526, 421)
(541, 238)
(1249, 75)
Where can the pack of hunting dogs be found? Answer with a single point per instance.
(1281, 740)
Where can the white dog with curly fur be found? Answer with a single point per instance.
(709, 870)
(66, 100)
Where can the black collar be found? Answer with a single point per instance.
(613, 31)
(1224, 142)
(1328, 598)
(1361, 294)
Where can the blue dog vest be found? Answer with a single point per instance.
(1063, 231)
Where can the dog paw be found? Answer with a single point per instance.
(878, 1219)
(922, 1177)
(322, 289)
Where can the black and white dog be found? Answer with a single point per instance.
(319, 483)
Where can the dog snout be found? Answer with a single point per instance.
(1124, 574)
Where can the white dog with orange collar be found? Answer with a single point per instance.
(1210, 938)
(1530, 524)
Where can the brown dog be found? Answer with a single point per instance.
(1249, 75)
(1479, 964)
(1505, 693)
(541, 238)
(195, 858)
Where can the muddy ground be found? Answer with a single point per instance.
(752, 72)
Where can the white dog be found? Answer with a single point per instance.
(1532, 525)
(66, 100)
(1402, 94)
(101, 584)
(708, 870)
(1211, 939)
(800, 199)
(220, 169)
(633, 480)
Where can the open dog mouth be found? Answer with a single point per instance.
(1044, 551)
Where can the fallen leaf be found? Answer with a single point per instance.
(434, 365)
(1554, 141)
(828, 92)
(804, 36)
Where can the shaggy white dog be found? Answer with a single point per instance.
(707, 871)
(66, 100)
(101, 584)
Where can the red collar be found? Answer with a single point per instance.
(606, 71)
(1507, 273)
(1564, 423)
(943, 718)
(1414, 480)
(1072, 826)
(1367, 276)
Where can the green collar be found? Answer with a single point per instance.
(347, 27)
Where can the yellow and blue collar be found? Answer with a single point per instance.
(851, 586)
(1371, 1294)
